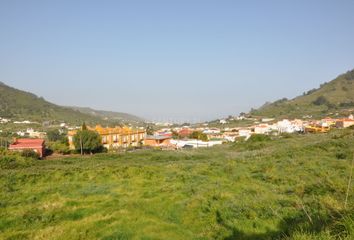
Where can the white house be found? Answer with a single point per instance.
(194, 143)
(223, 121)
(262, 129)
(244, 133)
(4, 120)
(211, 131)
(285, 126)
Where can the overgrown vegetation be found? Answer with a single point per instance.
(87, 141)
(284, 188)
(198, 135)
(16, 160)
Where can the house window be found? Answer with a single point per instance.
(115, 138)
(104, 139)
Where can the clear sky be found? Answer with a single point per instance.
(174, 60)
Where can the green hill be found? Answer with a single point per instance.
(21, 105)
(334, 97)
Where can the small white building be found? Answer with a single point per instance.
(4, 120)
(286, 126)
(262, 129)
(21, 133)
(211, 131)
(244, 133)
(223, 121)
(194, 143)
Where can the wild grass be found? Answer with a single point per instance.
(285, 188)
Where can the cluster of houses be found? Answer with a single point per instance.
(179, 137)
(30, 132)
(6, 120)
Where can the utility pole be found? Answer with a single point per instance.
(81, 144)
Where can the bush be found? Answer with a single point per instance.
(12, 160)
(341, 155)
(199, 136)
(59, 147)
(259, 138)
(56, 136)
(321, 100)
(347, 104)
(28, 153)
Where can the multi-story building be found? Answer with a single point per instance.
(117, 137)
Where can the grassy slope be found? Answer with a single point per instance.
(340, 90)
(261, 190)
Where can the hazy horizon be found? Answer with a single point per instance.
(173, 60)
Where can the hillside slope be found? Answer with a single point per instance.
(336, 96)
(21, 105)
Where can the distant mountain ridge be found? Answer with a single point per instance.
(108, 115)
(336, 96)
(21, 105)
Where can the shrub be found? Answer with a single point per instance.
(59, 147)
(259, 138)
(287, 135)
(199, 135)
(14, 160)
(28, 153)
(55, 135)
(341, 155)
(347, 104)
(321, 100)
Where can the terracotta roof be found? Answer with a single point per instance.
(158, 137)
(27, 143)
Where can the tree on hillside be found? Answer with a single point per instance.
(321, 100)
(86, 141)
(199, 136)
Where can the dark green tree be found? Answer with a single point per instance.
(86, 141)
(149, 130)
(321, 100)
(54, 135)
(83, 127)
(199, 136)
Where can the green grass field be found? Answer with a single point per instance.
(291, 187)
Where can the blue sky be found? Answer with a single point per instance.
(174, 60)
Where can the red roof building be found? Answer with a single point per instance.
(158, 141)
(36, 145)
(185, 132)
(344, 123)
